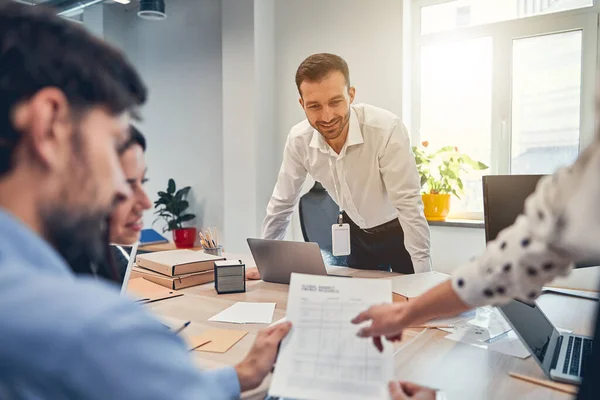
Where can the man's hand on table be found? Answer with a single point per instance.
(261, 357)
(410, 391)
(252, 274)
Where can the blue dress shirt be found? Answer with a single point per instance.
(64, 337)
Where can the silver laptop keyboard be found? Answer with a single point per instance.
(575, 355)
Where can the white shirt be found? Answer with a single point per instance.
(560, 225)
(375, 174)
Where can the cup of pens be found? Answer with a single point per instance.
(210, 242)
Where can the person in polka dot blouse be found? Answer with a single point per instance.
(559, 227)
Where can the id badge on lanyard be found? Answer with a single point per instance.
(340, 232)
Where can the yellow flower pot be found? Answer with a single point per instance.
(437, 206)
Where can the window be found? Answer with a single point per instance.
(463, 13)
(515, 93)
(456, 103)
(546, 90)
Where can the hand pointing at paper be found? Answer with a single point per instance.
(389, 320)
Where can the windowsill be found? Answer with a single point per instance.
(459, 223)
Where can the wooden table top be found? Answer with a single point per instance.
(460, 370)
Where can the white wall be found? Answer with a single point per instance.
(180, 60)
(265, 98)
(451, 247)
(248, 116)
(239, 134)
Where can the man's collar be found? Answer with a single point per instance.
(18, 241)
(355, 136)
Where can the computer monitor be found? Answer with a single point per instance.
(504, 200)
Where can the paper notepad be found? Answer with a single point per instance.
(246, 313)
(216, 340)
(415, 285)
(146, 291)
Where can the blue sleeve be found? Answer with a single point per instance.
(130, 355)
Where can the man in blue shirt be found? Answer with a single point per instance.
(65, 102)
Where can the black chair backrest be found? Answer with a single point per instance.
(318, 212)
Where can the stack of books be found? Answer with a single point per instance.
(176, 269)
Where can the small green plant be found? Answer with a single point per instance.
(441, 171)
(171, 206)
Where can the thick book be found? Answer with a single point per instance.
(177, 262)
(174, 282)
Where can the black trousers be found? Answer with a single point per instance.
(381, 248)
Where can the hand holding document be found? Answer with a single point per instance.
(322, 357)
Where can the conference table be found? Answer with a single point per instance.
(423, 356)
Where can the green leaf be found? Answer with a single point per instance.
(160, 202)
(174, 224)
(184, 191)
(183, 205)
(181, 193)
(171, 187)
(186, 217)
(165, 195)
(445, 149)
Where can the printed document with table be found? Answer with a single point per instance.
(322, 358)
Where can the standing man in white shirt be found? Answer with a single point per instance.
(361, 154)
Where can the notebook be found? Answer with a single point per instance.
(174, 282)
(150, 236)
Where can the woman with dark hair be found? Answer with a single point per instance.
(125, 222)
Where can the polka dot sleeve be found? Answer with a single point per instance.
(553, 232)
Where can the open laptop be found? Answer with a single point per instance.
(131, 260)
(277, 259)
(560, 355)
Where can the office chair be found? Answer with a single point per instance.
(318, 212)
(504, 200)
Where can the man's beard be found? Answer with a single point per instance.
(77, 237)
(78, 231)
(343, 124)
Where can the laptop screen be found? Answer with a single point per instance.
(130, 261)
(531, 324)
(504, 200)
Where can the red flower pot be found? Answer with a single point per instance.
(184, 238)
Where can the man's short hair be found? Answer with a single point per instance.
(39, 49)
(316, 67)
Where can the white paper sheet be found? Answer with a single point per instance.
(414, 285)
(322, 358)
(246, 313)
(507, 343)
(487, 318)
(510, 345)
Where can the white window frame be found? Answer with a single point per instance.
(503, 33)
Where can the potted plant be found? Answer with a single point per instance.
(441, 174)
(171, 206)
